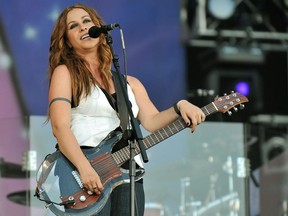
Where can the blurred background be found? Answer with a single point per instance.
(193, 49)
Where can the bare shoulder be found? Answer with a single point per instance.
(61, 70)
(60, 85)
(134, 82)
(137, 87)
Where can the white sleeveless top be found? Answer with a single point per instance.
(95, 118)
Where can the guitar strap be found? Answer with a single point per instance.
(122, 109)
(119, 104)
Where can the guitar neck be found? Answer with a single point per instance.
(158, 136)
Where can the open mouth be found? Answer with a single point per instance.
(85, 36)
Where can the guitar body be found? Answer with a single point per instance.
(58, 180)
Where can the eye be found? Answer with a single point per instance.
(73, 25)
(86, 20)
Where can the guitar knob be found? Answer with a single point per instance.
(235, 109)
(229, 112)
(70, 198)
(82, 198)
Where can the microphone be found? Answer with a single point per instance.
(94, 31)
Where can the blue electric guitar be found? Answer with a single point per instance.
(59, 184)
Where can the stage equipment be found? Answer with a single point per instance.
(221, 9)
(20, 197)
(210, 23)
(11, 170)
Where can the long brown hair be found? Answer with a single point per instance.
(61, 53)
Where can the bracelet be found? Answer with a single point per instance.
(176, 109)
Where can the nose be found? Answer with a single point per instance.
(83, 28)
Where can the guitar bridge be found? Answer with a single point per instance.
(77, 178)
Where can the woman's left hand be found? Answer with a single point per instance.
(191, 114)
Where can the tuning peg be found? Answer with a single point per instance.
(235, 109)
(242, 106)
(229, 112)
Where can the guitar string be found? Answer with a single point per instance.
(152, 137)
(123, 154)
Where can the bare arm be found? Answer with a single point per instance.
(60, 115)
(152, 119)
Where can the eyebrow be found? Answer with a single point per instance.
(81, 18)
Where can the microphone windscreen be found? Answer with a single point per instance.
(94, 32)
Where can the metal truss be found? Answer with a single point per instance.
(252, 24)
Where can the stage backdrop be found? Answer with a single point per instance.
(152, 38)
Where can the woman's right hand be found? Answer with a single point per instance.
(91, 180)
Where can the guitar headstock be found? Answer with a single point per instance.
(227, 102)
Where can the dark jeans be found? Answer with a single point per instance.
(118, 203)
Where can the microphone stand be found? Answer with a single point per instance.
(135, 134)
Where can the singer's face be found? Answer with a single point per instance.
(78, 24)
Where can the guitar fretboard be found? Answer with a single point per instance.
(149, 141)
